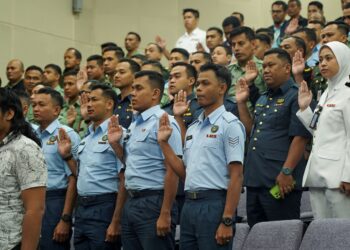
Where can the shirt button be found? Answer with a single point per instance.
(270, 99)
(255, 139)
(254, 148)
(260, 123)
(258, 131)
(264, 114)
(267, 106)
(275, 110)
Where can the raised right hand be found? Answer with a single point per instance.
(164, 130)
(180, 103)
(304, 96)
(298, 63)
(242, 91)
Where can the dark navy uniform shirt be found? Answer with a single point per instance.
(124, 110)
(275, 125)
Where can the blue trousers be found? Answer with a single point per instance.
(139, 222)
(92, 218)
(199, 222)
(53, 211)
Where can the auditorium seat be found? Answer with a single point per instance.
(242, 230)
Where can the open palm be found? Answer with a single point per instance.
(115, 131)
(64, 143)
(181, 104)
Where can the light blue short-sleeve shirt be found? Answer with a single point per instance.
(144, 158)
(98, 164)
(58, 170)
(211, 144)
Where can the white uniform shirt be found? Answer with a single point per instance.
(189, 41)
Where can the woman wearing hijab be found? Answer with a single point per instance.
(327, 173)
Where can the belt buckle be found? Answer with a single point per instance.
(193, 195)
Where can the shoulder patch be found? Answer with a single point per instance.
(229, 117)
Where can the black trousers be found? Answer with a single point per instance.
(262, 206)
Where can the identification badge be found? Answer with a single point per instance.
(52, 140)
(189, 137)
(214, 128)
(211, 136)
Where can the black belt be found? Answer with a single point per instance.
(202, 194)
(144, 193)
(56, 192)
(84, 200)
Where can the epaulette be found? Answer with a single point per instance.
(229, 117)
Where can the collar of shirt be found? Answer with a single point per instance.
(282, 89)
(236, 66)
(8, 138)
(194, 32)
(213, 116)
(50, 129)
(145, 115)
(278, 27)
(119, 98)
(103, 127)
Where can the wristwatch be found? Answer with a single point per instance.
(227, 221)
(66, 218)
(286, 171)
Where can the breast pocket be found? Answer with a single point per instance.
(50, 149)
(146, 137)
(280, 116)
(100, 148)
(329, 155)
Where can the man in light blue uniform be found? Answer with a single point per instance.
(149, 214)
(61, 183)
(97, 215)
(212, 165)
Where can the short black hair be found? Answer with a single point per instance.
(54, 94)
(226, 48)
(72, 72)
(154, 63)
(34, 67)
(341, 26)
(193, 11)
(300, 43)
(154, 78)
(158, 47)
(108, 44)
(55, 67)
(281, 3)
(206, 56)
(218, 30)
(182, 51)
(318, 22)
(249, 33)
(135, 34)
(310, 33)
(281, 54)
(240, 15)
(346, 6)
(190, 69)
(143, 58)
(107, 92)
(265, 31)
(318, 5)
(76, 53)
(221, 73)
(231, 20)
(263, 38)
(134, 66)
(296, 1)
(119, 53)
(97, 58)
